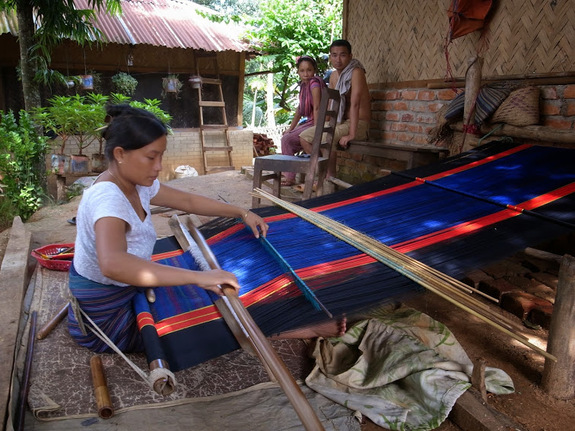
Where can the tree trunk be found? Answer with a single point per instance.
(30, 90)
(270, 100)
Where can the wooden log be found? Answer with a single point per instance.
(101, 392)
(543, 255)
(471, 413)
(523, 81)
(558, 377)
(536, 133)
(339, 182)
(13, 281)
(52, 323)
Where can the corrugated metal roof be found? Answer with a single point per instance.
(169, 23)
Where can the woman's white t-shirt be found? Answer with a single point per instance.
(105, 199)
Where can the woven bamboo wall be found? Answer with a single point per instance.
(404, 40)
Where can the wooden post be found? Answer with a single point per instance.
(472, 86)
(558, 378)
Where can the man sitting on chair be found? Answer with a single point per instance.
(355, 108)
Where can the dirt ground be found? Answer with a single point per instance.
(529, 406)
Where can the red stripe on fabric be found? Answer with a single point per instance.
(225, 233)
(478, 162)
(482, 222)
(416, 182)
(145, 318)
(551, 196)
(454, 231)
(188, 319)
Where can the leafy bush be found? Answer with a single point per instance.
(22, 165)
(124, 83)
(83, 116)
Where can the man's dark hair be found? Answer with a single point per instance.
(341, 42)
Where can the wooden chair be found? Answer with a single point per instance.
(272, 166)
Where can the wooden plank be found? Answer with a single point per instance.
(471, 413)
(413, 155)
(13, 281)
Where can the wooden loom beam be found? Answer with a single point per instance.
(260, 343)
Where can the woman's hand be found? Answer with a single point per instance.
(256, 223)
(212, 280)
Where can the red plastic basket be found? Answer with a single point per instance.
(55, 256)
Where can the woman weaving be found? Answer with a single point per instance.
(115, 234)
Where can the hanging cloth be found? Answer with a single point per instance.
(467, 16)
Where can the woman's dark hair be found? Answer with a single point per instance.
(306, 58)
(130, 128)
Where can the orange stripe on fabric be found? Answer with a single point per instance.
(166, 255)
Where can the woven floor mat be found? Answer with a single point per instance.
(61, 384)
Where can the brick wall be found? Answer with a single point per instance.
(407, 116)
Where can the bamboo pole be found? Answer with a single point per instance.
(558, 377)
(425, 276)
(103, 401)
(52, 323)
(260, 343)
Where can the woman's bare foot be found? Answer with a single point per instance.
(330, 328)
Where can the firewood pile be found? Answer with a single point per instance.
(263, 145)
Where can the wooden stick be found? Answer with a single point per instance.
(50, 325)
(220, 303)
(261, 344)
(25, 383)
(103, 401)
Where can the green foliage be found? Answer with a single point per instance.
(22, 153)
(229, 10)
(84, 116)
(124, 83)
(76, 115)
(58, 20)
(284, 30)
(153, 106)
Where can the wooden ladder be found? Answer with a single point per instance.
(222, 154)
